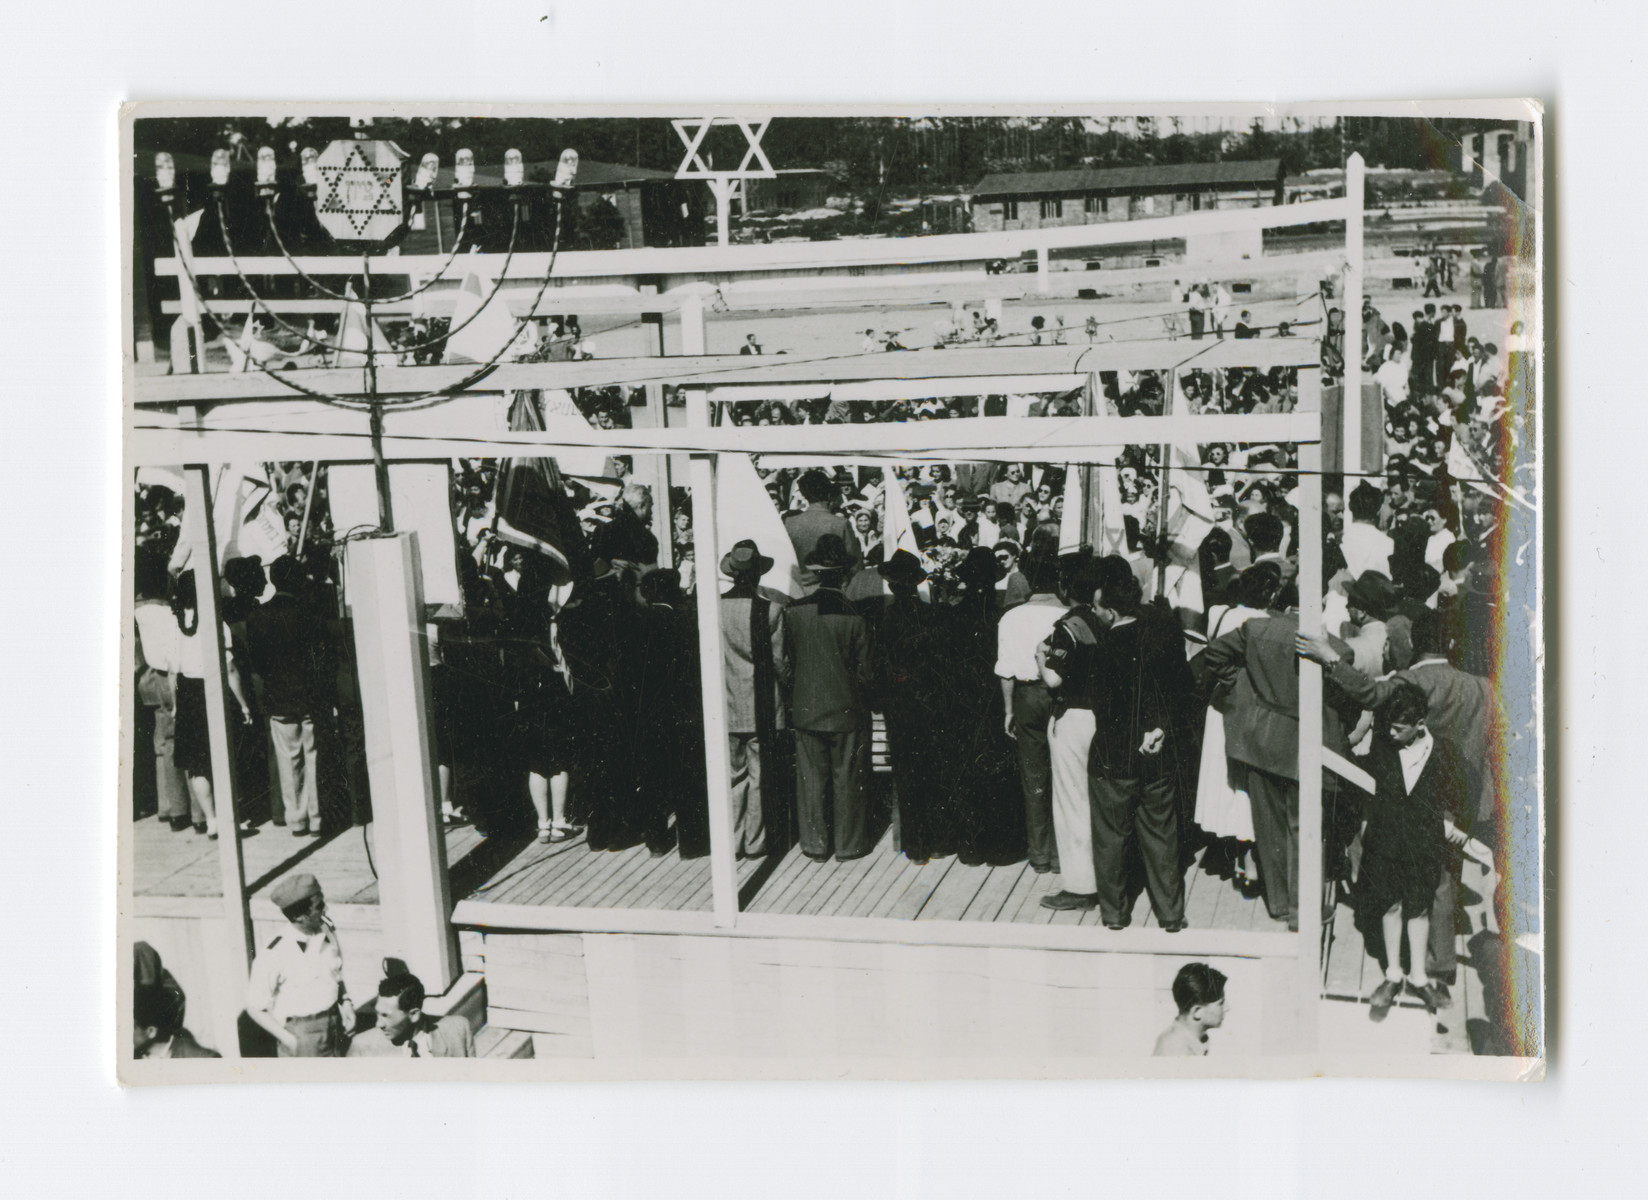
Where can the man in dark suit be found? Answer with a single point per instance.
(1264, 532)
(669, 758)
(1139, 684)
(1255, 666)
(828, 640)
(911, 683)
(156, 1032)
(284, 641)
(757, 673)
(816, 521)
(628, 537)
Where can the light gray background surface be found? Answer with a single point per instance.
(69, 1131)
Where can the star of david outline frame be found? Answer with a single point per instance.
(693, 165)
(384, 204)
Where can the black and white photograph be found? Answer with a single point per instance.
(793, 592)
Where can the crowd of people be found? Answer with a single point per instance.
(1040, 703)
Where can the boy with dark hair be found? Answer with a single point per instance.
(1199, 993)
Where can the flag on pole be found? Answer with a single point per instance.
(896, 531)
(240, 352)
(744, 509)
(1113, 528)
(1190, 516)
(490, 328)
(532, 508)
(245, 516)
(1190, 510)
(353, 336)
(1070, 523)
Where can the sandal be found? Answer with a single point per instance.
(546, 833)
(561, 833)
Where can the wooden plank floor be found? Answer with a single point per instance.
(186, 863)
(886, 884)
(882, 884)
(1349, 975)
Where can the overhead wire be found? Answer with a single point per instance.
(439, 395)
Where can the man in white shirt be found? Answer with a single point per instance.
(1029, 703)
(1446, 347)
(296, 991)
(1197, 299)
(1442, 536)
(1365, 546)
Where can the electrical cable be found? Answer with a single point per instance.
(457, 244)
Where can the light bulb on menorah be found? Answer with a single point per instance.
(359, 198)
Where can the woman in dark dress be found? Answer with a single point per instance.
(544, 730)
(597, 633)
(911, 679)
(980, 772)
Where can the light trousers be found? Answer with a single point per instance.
(294, 745)
(1069, 738)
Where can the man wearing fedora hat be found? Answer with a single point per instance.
(828, 639)
(756, 670)
(296, 990)
(1371, 598)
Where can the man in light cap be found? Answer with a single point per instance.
(296, 991)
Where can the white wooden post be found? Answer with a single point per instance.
(1310, 732)
(706, 551)
(654, 469)
(722, 187)
(414, 893)
(237, 917)
(1043, 269)
(1350, 442)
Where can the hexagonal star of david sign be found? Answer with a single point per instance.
(359, 199)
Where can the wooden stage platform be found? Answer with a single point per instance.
(518, 871)
(1466, 1026)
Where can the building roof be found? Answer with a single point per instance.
(1173, 177)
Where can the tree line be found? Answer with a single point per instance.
(864, 156)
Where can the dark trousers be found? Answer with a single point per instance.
(1444, 365)
(1032, 710)
(1275, 801)
(833, 767)
(913, 745)
(1148, 809)
(1198, 322)
(1443, 959)
(171, 789)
